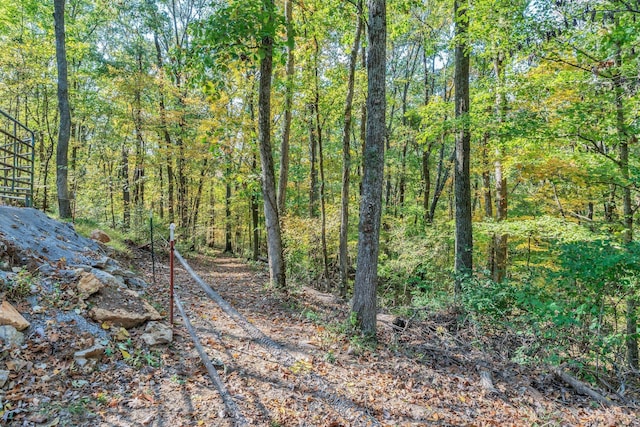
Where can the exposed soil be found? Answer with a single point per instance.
(310, 374)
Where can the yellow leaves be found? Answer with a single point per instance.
(302, 367)
(122, 335)
(125, 354)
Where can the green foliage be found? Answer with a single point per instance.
(571, 309)
(418, 269)
(19, 287)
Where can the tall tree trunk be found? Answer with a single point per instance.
(165, 135)
(253, 200)
(288, 105)
(274, 236)
(364, 295)
(463, 236)
(500, 239)
(426, 152)
(444, 168)
(412, 62)
(193, 221)
(320, 153)
(64, 132)
(126, 194)
(227, 214)
(313, 160)
(182, 184)
(623, 153)
(346, 159)
(255, 216)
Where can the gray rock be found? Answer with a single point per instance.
(157, 333)
(10, 336)
(4, 377)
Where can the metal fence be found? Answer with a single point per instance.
(16, 161)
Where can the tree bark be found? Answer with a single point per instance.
(272, 220)
(288, 105)
(126, 194)
(227, 213)
(64, 131)
(623, 153)
(313, 160)
(463, 236)
(364, 297)
(165, 135)
(500, 239)
(346, 158)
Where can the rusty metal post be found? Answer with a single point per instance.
(172, 229)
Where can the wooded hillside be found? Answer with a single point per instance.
(244, 121)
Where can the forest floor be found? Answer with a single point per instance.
(308, 372)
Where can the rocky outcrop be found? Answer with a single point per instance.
(10, 316)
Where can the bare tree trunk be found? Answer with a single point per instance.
(623, 153)
(500, 239)
(274, 236)
(255, 218)
(227, 214)
(288, 105)
(193, 221)
(126, 195)
(313, 160)
(64, 132)
(165, 136)
(364, 296)
(346, 158)
(464, 236)
(444, 168)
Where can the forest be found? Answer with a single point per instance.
(501, 136)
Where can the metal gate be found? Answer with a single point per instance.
(16, 162)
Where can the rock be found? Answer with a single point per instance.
(103, 263)
(108, 279)
(100, 236)
(81, 357)
(122, 307)
(135, 282)
(88, 285)
(91, 352)
(4, 377)
(10, 336)
(16, 269)
(157, 333)
(10, 316)
(17, 364)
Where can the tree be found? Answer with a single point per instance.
(64, 132)
(346, 157)
(364, 294)
(464, 237)
(272, 220)
(288, 106)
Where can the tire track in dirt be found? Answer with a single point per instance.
(268, 382)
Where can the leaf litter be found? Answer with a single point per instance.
(421, 374)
